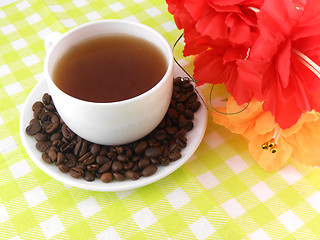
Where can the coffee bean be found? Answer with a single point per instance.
(104, 150)
(40, 137)
(95, 149)
(100, 159)
(37, 105)
(148, 171)
(42, 146)
(118, 176)
(144, 162)
(46, 98)
(106, 177)
(66, 132)
(172, 113)
(195, 106)
(182, 141)
(50, 108)
(188, 114)
(76, 172)
(180, 107)
(174, 156)
(141, 147)
(164, 161)
(117, 166)
(160, 135)
(89, 176)
(93, 167)
(33, 129)
(123, 158)
(128, 165)
(153, 152)
(70, 163)
(88, 160)
(63, 168)
(52, 127)
(105, 167)
(132, 175)
(56, 136)
(60, 158)
(85, 156)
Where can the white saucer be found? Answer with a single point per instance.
(194, 138)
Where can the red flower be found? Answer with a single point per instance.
(289, 42)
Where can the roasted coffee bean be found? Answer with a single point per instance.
(123, 158)
(106, 177)
(174, 156)
(95, 149)
(37, 114)
(144, 162)
(128, 165)
(177, 81)
(118, 176)
(50, 108)
(33, 129)
(153, 152)
(60, 158)
(182, 141)
(42, 146)
(54, 148)
(76, 172)
(188, 114)
(119, 150)
(150, 170)
(189, 126)
(105, 167)
(46, 98)
(34, 121)
(164, 161)
(85, 156)
(132, 175)
(135, 158)
(57, 143)
(152, 142)
(193, 97)
(154, 161)
(180, 107)
(70, 156)
(160, 135)
(100, 159)
(66, 132)
(84, 148)
(174, 147)
(89, 176)
(104, 150)
(40, 137)
(112, 156)
(55, 136)
(195, 106)
(66, 146)
(63, 168)
(186, 87)
(70, 163)
(89, 160)
(182, 98)
(37, 105)
(173, 113)
(181, 132)
(141, 147)
(93, 167)
(52, 127)
(117, 166)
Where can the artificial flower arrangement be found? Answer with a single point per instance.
(267, 54)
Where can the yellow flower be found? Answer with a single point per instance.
(300, 142)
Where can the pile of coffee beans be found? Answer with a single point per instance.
(87, 160)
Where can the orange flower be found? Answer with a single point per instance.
(300, 142)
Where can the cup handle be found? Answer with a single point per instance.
(51, 39)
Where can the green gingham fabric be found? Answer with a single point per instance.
(220, 193)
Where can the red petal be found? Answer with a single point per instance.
(282, 63)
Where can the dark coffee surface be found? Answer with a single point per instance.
(109, 68)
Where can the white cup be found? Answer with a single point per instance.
(116, 122)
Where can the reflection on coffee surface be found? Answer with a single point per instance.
(109, 68)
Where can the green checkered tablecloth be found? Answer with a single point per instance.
(220, 193)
